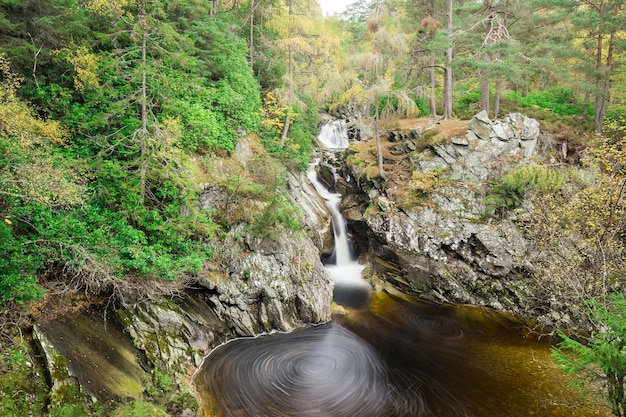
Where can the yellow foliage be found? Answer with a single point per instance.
(273, 112)
(580, 230)
(116, 7)
(86, 67)
(32, 171)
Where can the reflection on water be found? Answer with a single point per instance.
(399, 357)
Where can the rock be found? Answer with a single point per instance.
(444, 154)
(471, 136)
(481, 125)
(351, 208)
(444, 250)
(325, 175)
(397, 150)
(503, 131)
(242, 152)
(459, 141)
(316, 217)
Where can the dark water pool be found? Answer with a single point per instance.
(397, 357)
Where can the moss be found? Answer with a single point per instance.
(67, 394)
(22, 387)
(139, 409)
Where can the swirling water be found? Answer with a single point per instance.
(399, 357)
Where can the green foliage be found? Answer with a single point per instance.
(298, 147)
(602, 357)
(280, 213)
(69, 410)
(615, 123)
(139, 409)
(17, 269)
(510, 190)
(393, 104)
(559, 100)
(164, 391)
(468, 104)
(22, 386)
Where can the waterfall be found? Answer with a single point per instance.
(351, 290)
(334, 135)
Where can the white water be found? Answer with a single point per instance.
(334, 135)
(346, 271)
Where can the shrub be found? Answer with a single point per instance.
(510, 189)
(559, 100)
(602, 357)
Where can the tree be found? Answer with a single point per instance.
(605, 21)
(448, 84)
(375, 67)
(602, 358)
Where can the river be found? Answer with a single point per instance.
(387, 355)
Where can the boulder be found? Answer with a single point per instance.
(480, 124)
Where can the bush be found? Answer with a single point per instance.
(602, 357)
(559, 100)
(511, 188)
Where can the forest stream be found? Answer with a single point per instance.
(389, 355)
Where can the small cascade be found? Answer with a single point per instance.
(334, 135)
(351, 290)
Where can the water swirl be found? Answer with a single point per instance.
(323, 371)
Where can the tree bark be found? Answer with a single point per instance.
(251, 48)
(379, 148)
(143, 105)
(603, 83)
(433, 85)
(447, 88)
(484, 96)
(496, 100)
(283, 136)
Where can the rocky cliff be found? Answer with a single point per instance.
(427, 226)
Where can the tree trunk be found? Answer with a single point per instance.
(251, 48)
(283, 137)
(143, 106)
(484, 96)
(604, 86)
(598, 99)
(379, 148)
(447, 88)
(496, 100)
(213, 9)
(433, 85)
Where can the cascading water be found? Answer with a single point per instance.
(334, 135)
(350, 289)
(391, 357)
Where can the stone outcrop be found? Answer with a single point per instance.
(445, 249)
(265, 286)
